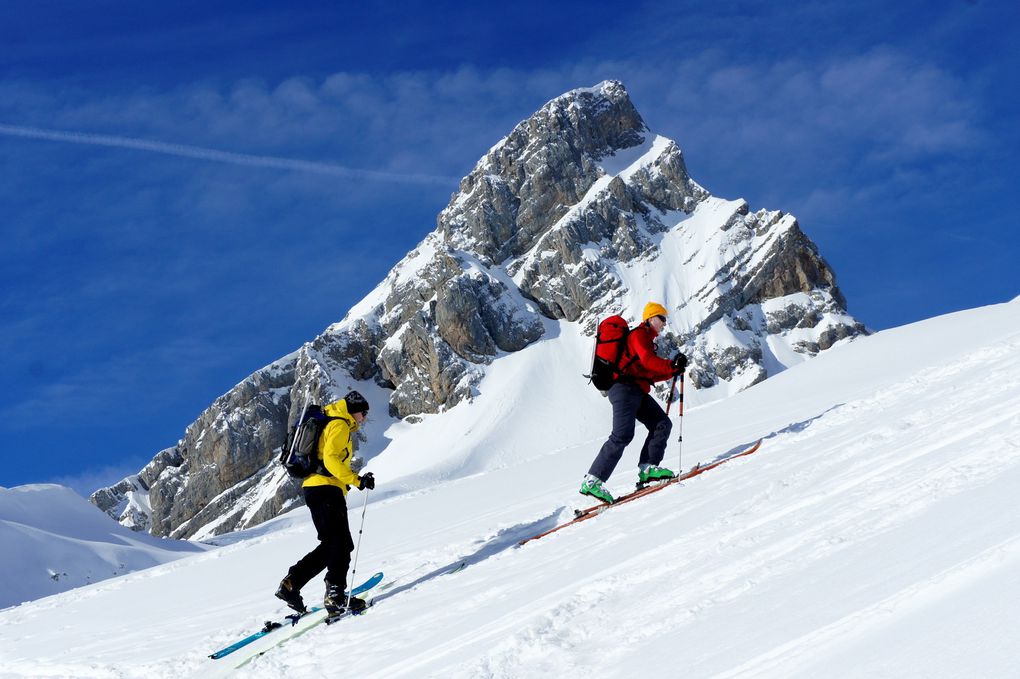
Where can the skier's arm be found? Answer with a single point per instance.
(652, 363)
(336, 455)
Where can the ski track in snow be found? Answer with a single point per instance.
(784, 659)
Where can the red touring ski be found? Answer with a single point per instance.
(585, 514)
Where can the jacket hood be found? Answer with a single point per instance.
(339, 409)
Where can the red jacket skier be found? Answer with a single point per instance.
(632, 401)
(640, 363)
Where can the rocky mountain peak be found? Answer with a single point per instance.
(532, 177)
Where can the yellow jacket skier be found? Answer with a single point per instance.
(325, 494)
(336, 447)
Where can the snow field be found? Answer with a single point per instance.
(876, 533)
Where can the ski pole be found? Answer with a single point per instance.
(680, 465)
(672, 388)
(354, 569)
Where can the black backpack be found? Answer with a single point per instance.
(300, 455)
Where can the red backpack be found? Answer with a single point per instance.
(610, 346)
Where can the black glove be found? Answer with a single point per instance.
(679, 364)
(367, 481)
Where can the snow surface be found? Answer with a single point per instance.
(876, 533)
(53, 540)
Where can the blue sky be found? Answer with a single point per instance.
(191, 190)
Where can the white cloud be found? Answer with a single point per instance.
(881, 105)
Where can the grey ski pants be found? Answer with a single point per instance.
(630, 404)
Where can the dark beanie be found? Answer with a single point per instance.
(356, 403)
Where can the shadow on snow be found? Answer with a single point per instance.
(497, 544)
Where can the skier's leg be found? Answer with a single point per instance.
(651, 415)
(312, 563)
(315, 561)
(626, 399)
(338, 557)
(340, 546)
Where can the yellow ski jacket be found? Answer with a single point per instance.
(336, 449)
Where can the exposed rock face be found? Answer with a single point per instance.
(579, 212)
(222, 451)
(127, 502)
(531, 179)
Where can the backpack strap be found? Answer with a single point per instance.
(632, 356)
(321, 469)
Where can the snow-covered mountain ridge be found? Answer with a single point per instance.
(579, 212)
(875, 533)
(54, 540)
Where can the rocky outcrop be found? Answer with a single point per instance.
(127, 502)
(546, 165)
(579, 212)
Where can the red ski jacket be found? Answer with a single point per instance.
(640, 363)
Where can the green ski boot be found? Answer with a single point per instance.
(593, 486)
(653, 473)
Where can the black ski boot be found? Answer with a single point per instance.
(290, 595)
(337, 605)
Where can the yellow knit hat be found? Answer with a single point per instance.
(653, 309)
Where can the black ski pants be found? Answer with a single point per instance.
(329, 514)
(631, 404)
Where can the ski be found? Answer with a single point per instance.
(292, 619)
(648, 489)
(266, 629)
(310, 623)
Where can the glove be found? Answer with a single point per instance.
(367, 481)
(679, 364)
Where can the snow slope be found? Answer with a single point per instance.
(876, 533)
(54, 540)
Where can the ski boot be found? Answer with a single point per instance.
(290, 595)
(650, 473)
(593, 486)
(338, 605)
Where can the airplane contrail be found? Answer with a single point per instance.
(215, 155)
